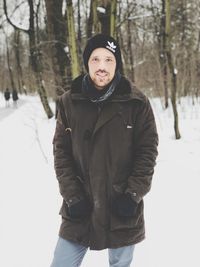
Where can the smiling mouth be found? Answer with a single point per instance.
(101, 75)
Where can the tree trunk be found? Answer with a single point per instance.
(93, 25)
(36, 64)
(104, 17)
(171, 67)
(113, 17)
(161, 39)
(162, 56)
(129, 42)
(79, 35)
(90, 21)
(72, 40)
(185, 82)
(18, 61)
(8, 63)
(57, 36)
(197, 67)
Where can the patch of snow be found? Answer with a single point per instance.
(101, 9)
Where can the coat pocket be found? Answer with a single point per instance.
(120, 223)
(63, 213)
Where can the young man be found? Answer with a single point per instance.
(105, 148)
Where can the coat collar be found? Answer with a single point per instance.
(125, 91)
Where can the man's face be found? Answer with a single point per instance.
(102, 65)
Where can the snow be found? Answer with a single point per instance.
(30, 200)
(101, 9)
(175, 71)
(66, 49)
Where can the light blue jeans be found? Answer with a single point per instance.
(70, 254)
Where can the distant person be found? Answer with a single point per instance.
(15, 97)
(7, 96)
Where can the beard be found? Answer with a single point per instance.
(101, 79)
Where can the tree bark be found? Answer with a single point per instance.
(161, 39)
(129, 42)
(113, 17)
(162, 56)
(9, 64)
(93, 25)
(57, 36)
(104, 18)
(171, 68)
(36, 63)
(79, 35)
(72, 40)
(18, 61)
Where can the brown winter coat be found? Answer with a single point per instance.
(103, 153)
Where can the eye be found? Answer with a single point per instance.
(95, 59)
(109, 60)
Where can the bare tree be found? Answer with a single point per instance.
(72, 39)
(172, 69)
(159, 28)
(57, 38)
(9, 62)
(20, 78)
(34, 55)
(113, 18)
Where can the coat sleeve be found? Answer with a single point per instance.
(64, 165)
(145, 153)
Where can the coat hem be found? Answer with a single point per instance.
(111, 246)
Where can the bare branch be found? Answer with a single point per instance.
(9, 20)
(34, 127)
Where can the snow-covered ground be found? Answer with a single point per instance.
(29, 196)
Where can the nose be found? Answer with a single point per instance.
(101, 65)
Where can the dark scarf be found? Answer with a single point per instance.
(96, 95)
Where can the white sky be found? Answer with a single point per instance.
(30, 201)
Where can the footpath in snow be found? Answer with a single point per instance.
(30, 200)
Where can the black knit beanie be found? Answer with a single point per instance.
(103, 41)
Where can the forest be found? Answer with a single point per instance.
(42, 43)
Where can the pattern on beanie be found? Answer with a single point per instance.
(111, 46)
